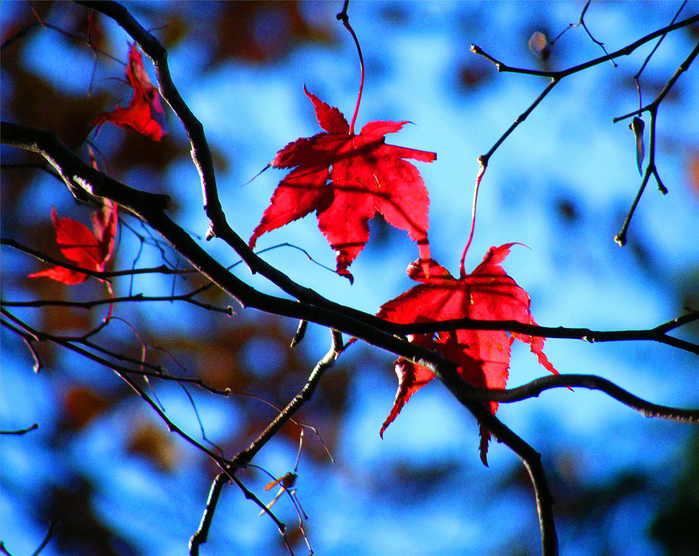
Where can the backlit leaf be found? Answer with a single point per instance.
(483, 356)
(346, 179)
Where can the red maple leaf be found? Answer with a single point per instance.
(82, 247)
(483, 356)
(145, 112)
(346, 179)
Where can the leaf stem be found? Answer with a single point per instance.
(345, 20)
(482, 164)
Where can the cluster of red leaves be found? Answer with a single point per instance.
(346, 179)
(82, 247)
(483, 356)
(145, 112)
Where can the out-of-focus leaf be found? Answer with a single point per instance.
(539, 46)
(694, 172)
(81, 405)
(155, 444)
(264, 32)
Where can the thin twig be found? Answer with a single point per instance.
(637, 77)
(49, 535)
(581, 21)
(123, 373)
(557, 76)
(657, 334)
(20, 432)
(241, 459)
(244, 457)
(137, 298)
(251, 496)
(202, 534)
(651, 168)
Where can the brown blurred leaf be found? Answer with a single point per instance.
(296, 535)
(154, 444)
(263, 32)
(473, 73)
(81, 405)
(138, 150)
(539, 46)
(694, 173)
(174, 30)
(65, 319)
(36, 103)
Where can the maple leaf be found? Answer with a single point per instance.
(483, 356)
(84, 248)
(346, 179)
(145, 112)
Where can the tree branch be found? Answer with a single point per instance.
(354, 323)
(244, 457)
(557, 76)
(81, 178)
(657, 334)
(309, 306)
(535, 387)
(123, 373)
(560, 74)
(651, 169)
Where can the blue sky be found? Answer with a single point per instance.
(567, 151)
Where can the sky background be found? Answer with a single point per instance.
(560, 184)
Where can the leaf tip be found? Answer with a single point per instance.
(346, 274)
(483, 447)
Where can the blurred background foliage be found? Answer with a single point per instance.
(105, 472)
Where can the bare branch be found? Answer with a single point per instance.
(637, 77)
(557, 76)
(81, 178)
(202, 534)
(531, 459)
(244, 457)
(535, 387)
(123, 373)
(137, 298)
(657, 334)
(560, 74)
(651, 169)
